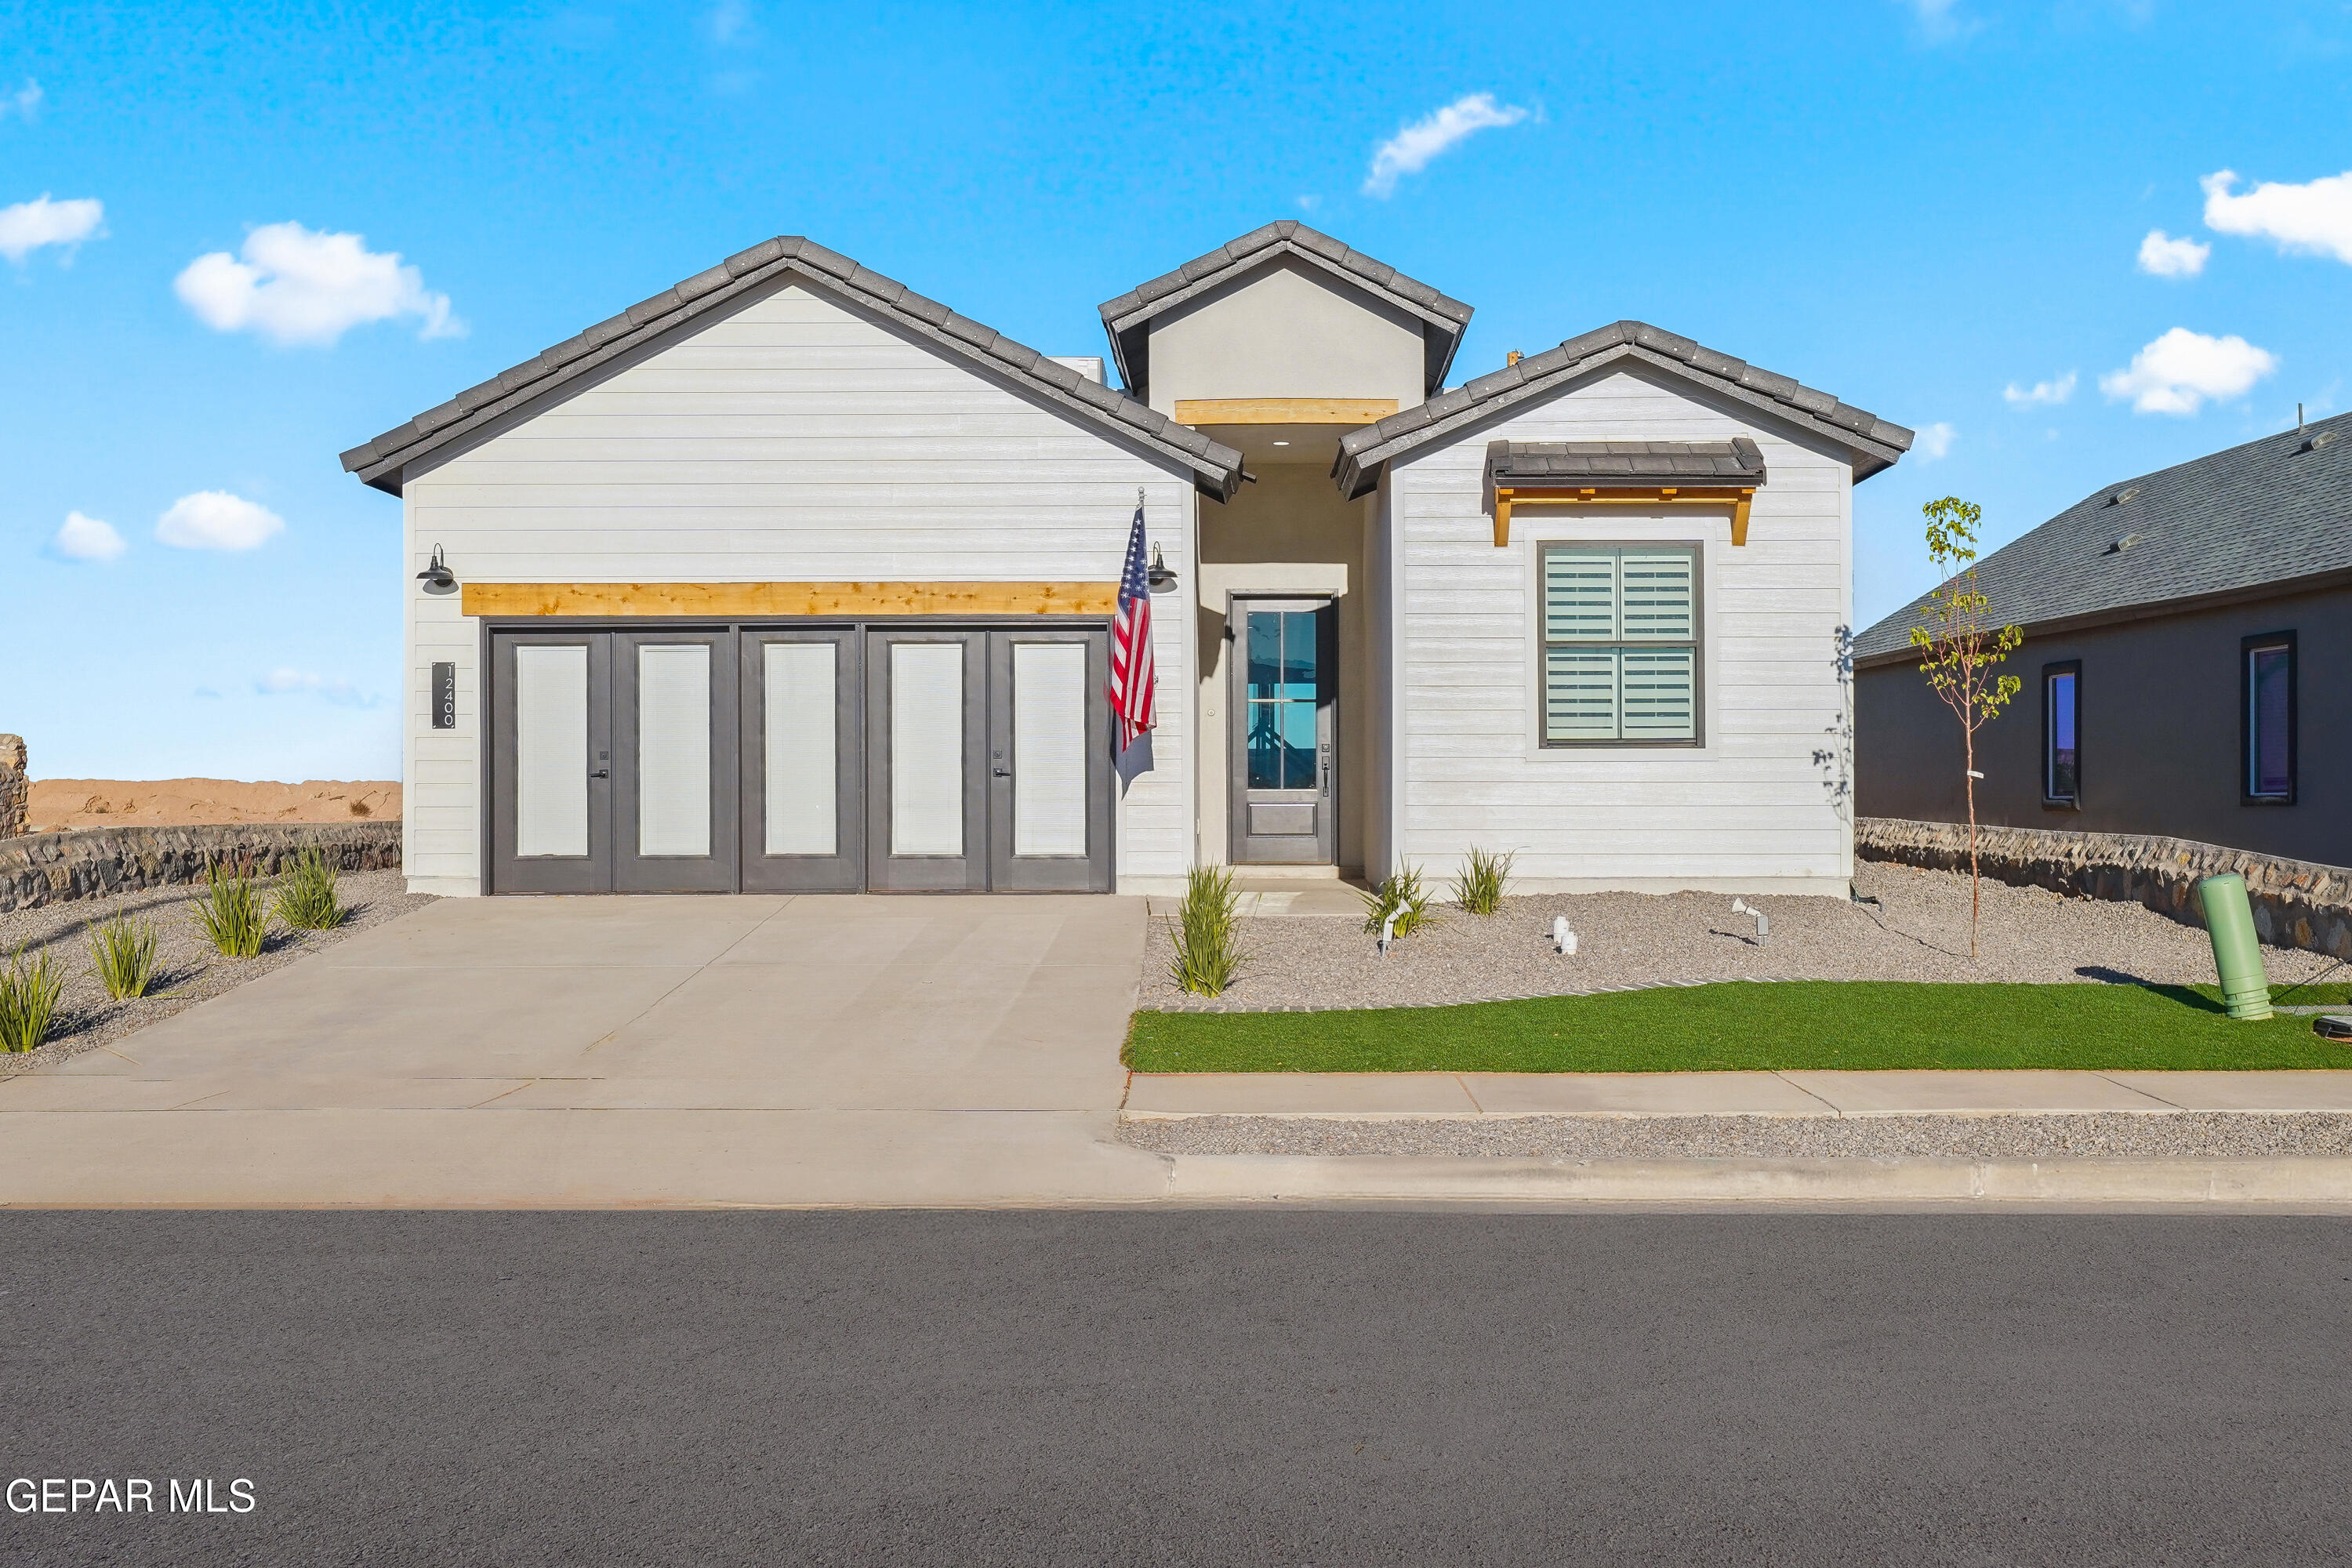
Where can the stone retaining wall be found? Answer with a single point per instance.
(99, 862)
(16, 786)
(2297, 903)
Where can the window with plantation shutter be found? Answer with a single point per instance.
(1620, 645)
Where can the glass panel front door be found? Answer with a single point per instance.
(1283, 741)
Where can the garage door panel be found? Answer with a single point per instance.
(926, 736)
(803, 761)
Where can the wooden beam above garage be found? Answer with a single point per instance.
(738, 600)
(1283, 410)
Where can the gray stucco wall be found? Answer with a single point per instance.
(2160, 735)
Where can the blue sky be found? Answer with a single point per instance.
(1919, 206)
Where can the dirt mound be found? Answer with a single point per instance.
(60, 803)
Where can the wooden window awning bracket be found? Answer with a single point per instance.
(1738, 498)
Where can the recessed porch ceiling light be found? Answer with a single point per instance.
(1282, 443)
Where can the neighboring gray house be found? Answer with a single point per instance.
(2184, 631)
(792, 578)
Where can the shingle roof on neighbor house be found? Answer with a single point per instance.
(1126, 318)
(1874, 443)
(2273, 510)
(1736, 461)
(1216, 469)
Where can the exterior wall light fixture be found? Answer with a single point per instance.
(1161, 576)
(437, 578)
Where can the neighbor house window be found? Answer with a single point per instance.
(2267, 696)
(2061, 717)
(1621, 640)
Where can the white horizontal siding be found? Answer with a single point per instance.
(793, 441)
(1761, 800)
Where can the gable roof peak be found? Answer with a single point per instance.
(1215, 468)
(1875, 444)
(1127, 319)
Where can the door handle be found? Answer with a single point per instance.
(1005, 772)
(601, 773)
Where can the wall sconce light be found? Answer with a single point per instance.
(1161, 576)
(437, 578)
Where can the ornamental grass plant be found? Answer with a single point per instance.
(28, 1000)
(231, 915)
(1206, 931)
(122, 954)
(306, 895)
(1484, 876)
(1399, 890)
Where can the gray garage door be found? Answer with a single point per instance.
(906, 757)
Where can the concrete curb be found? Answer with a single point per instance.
(2313, 1181)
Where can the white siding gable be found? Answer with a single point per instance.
(1762, 803)
(793, 440)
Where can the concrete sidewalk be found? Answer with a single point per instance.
(1371, 1096)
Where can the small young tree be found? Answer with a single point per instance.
(1959, 654)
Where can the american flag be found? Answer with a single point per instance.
(1130, 642)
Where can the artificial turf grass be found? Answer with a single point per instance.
(1748, 1027)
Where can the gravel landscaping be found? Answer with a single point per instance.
(1917, 931)
(188, 969)
(2149, 1134)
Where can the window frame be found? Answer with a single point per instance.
(2267, 642)
(2050, 673)
(1544, 643)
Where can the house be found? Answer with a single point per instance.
(2183, 631)
(791, 578)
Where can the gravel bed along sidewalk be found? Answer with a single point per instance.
(1918, 931)
(2183, 1134)
(188, 969)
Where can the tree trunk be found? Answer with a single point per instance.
(1975, 881)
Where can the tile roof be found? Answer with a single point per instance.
(1874, 443)
(1735, 461)
(2272, 511)
(1215, 468)
(1126, 318)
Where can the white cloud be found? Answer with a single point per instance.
(216, 520)
(1411, 149)
(730, 22)
(1940, 21)
(28, 226)
(286, 681)
(26, 101)
(1935, 441)
(2051, 392)
(2316, 217)
(296, 285)
(2161, 256)
(87, 538)
(2178, 372)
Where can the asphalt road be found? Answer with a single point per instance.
(1203, 1387)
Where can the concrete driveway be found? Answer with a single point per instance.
(621, 1050)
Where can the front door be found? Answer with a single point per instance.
(1282, 748)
